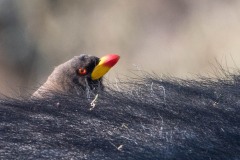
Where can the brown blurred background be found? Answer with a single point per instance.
(178, 37)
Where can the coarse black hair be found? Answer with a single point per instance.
(144, 118)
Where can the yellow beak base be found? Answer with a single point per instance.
(104, 65)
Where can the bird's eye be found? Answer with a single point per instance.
(82, 71)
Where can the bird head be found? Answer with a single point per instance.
(91, 69)
(79, 73)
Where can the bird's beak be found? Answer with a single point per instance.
(104, 65)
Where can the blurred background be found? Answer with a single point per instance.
(182, 38)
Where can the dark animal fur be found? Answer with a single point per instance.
(145, 118)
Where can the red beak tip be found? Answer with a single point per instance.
(111, 60)
(114, 56)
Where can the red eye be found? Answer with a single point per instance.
(82, 71)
